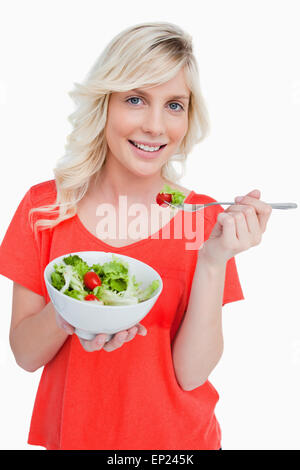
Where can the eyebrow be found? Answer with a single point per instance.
(174, 97)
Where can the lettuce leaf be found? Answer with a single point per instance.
(117, 286)
(80, 266)
(147, 293)
(71, 277)
(177, 196)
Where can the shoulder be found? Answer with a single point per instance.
(210, 213)
(182, 189)
(196, 198)
(200, 198)
(43, 193)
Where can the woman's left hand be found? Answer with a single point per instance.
(237, 229)
(115, 342)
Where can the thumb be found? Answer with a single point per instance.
(254, 193)
(141, 329)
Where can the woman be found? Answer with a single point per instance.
(152, 390)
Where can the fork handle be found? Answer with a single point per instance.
(284, 205)
(274, 205)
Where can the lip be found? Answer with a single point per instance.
(144, 153)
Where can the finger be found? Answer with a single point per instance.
(131, 333)
(241, 227)
(253, 224)
(228, 236)
(262, 209)
(95, 344)
(116, 342)
(141, 329)
(86, 345)
(100, 340)
(254, 234)
(250, 216)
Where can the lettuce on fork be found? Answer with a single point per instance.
(117, 287)
(177, 196)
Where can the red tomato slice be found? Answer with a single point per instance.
(161, 198)
(91, 280)
(91, 297)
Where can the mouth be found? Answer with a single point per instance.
(146, 153)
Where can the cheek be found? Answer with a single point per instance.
(118, 126)
(177, 131)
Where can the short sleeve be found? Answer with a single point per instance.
(232, 287)
(19, 259)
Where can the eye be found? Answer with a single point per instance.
(133, 98)
(181, 107)
(130, 100)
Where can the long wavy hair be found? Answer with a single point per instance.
(143, 55)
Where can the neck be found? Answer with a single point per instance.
(110, 183)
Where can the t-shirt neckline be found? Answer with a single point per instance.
(154, 236)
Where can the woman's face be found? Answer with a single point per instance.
(154, 116)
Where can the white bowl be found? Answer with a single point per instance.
(90, 319)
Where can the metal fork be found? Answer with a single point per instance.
(196, 207)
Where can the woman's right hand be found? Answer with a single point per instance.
(98, 342)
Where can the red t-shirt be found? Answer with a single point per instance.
(129, 398)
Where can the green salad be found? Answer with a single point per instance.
(169, 195)
(107, 284)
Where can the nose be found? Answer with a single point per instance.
(154, 121)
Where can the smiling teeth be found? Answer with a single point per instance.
(145, 147)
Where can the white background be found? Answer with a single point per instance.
(248, 54)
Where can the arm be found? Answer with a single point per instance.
(198, 345)
(37, 331)
(34, 336)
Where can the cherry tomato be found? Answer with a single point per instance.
(161, 198)
(91, 297)
(91, 280)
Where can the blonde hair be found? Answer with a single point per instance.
(147, 54)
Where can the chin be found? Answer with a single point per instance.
(147, 170)
(140, 168)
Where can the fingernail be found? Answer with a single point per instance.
(238, 198)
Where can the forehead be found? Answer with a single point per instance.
(176, 87)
